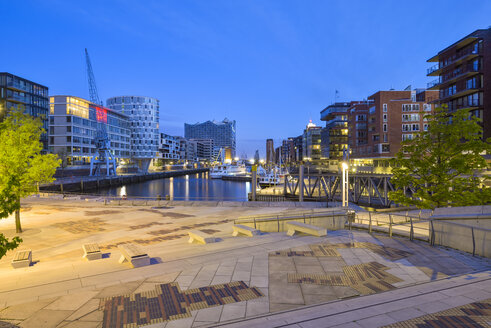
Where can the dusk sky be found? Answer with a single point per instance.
(270, 65)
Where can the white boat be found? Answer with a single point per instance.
(275, 176)
(219, 171)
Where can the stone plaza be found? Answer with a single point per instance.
(346, 279)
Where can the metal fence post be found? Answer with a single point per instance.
(304, 218)
(369, 222)
(255, 223)
(432, 234)
(278, 220)
(411, 233)
(390, 225)
(473, 243)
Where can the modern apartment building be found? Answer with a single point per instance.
(169, 148)
(73, 124)
(270, 152)
(31, 97)
(394, 116)
(334, 137)
(222, 133)
(358, 128)
(287, 151)
(298, 148)
(144, 123)
(464, 76)
(311, 147)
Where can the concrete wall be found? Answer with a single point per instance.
(330, 222)
(460, 236)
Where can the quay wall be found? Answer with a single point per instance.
(85, 184)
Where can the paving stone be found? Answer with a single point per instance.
(24, 311)
(80, 324)
(233, 311)
(276, 307)
(210, 314)
(344, 292)
(225, 270)
(71, 302)
(376, 321)
(119, 289)
(91, 306)
(406, 314)
(221, 280)
(259, 281)
(310, 299)
(46, 319)
(164, 278)
(285, 293)
(241, 275)
(256, 308)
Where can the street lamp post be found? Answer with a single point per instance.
(345, 168)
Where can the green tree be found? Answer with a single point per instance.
(443, 165)
(22, 166)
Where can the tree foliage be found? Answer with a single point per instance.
(22, 165)
(443, 166)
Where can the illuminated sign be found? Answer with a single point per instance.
(101, 114)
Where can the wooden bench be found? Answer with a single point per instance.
(200, 237)
(91, 252)
(22, 259)
(295, 226)
(245, 230)
(133, 254)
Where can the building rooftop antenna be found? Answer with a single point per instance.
(94, 95)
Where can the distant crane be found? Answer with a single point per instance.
(94, 95)
(104, 155)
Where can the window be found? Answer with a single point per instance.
(410, 117)
(385, 117)
(68, 119)
(425, 127)
(410, 107)
(385, 127)
(407, 137)
(427, 107)
(68, 129)
(68, 139)
(384, 107)
(386, 138)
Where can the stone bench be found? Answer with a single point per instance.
(295, 226)
(22, 259)
(91, 252)
(245, 230)
(133, 254)
(200, 237)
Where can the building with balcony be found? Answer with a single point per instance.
(358, 128)
(144, 123)
(464, 76)
(334, 137)
(311, 147)
(205, 149)
(32, 97)
(73, 124)
(169, 149)
(287, 151)
(394, 116)
(222, 133)
(298, 148)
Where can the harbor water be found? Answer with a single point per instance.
(192, 187)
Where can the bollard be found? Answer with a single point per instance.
(254, 184)
(159, 197)
(167, 197)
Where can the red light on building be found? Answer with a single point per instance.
(101, 114)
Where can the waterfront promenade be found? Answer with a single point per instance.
(274, 280)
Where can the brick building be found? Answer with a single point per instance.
(393, 116)
(464, 76)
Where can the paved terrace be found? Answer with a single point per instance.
(237, 278)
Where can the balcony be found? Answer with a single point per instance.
(433, 70)
(17, 86)
(433, 84)
(460, 93)
(17, 98)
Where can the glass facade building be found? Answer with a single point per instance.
(73, 124)
(18, 92)
(222, 133)
(144, 123)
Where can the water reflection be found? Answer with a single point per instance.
(190, 187)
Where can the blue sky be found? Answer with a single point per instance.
(270, 65)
